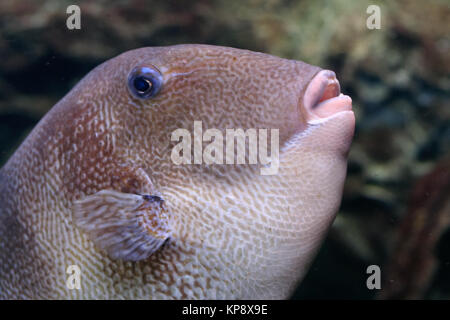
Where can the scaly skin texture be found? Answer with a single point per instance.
(234, 233)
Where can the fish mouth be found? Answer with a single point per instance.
(323, 98)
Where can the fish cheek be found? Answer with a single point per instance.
(108, 195)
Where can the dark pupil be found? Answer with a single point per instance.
(141, 84)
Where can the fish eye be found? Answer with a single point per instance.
(144, 82)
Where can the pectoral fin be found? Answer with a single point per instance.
(127, 226)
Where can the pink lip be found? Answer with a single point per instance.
(323, 97)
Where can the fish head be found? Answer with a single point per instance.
(221, 87)
(245, 233)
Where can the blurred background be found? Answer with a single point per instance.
(396, 207)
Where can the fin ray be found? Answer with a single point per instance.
(127, 226)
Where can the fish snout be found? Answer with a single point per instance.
(323, 98)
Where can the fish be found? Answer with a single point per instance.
(94, 187)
